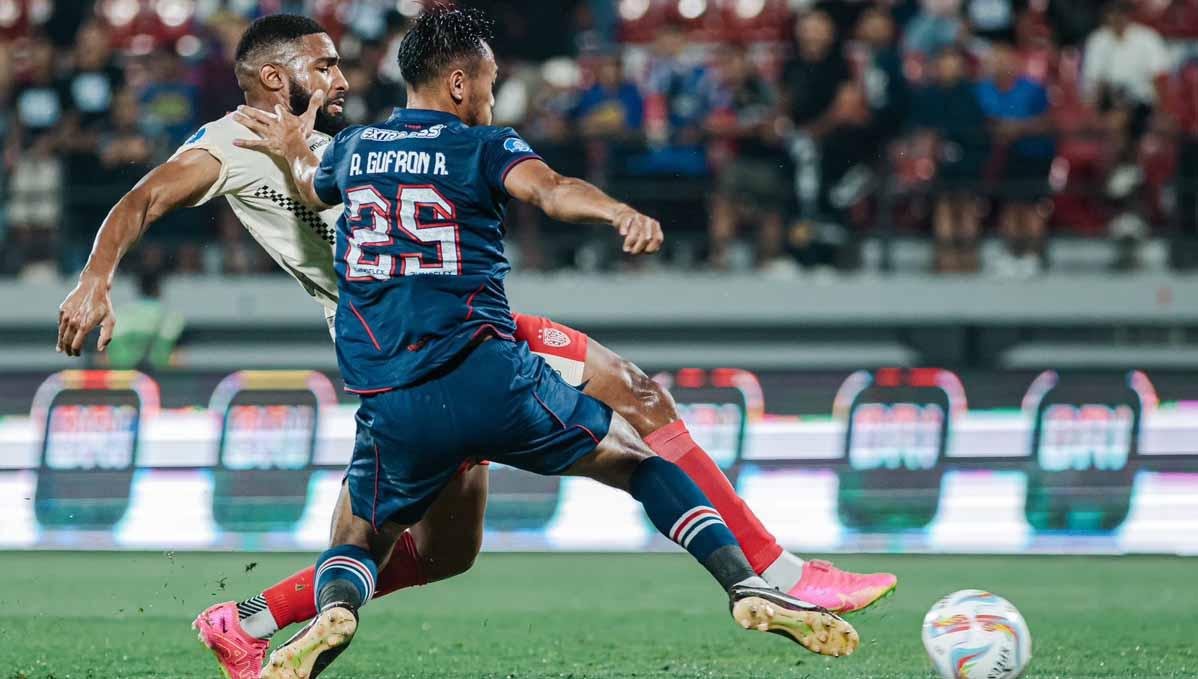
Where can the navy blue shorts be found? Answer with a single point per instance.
(501, 403)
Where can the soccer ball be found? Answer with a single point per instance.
(973, 634)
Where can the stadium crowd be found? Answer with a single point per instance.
(764, 133)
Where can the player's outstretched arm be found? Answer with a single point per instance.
(176, 183)
(573, 200)
(285, 136)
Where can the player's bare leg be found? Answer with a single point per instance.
(652, 412)
(678, 508)
(447, 539)
(626, 389)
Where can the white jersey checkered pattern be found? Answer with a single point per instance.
(262, 196)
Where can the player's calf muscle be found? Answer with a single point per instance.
(446, 560)
(626, 389)
(450, 534)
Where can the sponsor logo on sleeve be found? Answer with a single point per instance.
(516, 145)
(196, 137)
(322, 140)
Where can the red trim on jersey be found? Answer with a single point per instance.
(511, 166)
(552, 414)
(562, 424)
(589, 433)
(500, 335)
(365, 325)
(369, 392)
(374, 509)
(470, 300)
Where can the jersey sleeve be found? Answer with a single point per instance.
(503, 151)
(206, 139)
(325, 181)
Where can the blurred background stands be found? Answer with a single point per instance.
(1006, 137)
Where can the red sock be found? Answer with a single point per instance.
(293, 600)
(674, 443)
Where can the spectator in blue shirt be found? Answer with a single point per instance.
(1018, 111)
(612, 108)
(170, 104)
(680, 82)
(676, 87)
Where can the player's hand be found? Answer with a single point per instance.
(642, 234)
(280, 133)
(87, 306)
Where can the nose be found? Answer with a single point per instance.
(340, 84)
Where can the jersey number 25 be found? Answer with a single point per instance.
(370, 219)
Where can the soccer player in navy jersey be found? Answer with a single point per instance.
(424, 335)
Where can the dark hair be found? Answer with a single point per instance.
(1119, 7)
(272, 30)
(439, 38)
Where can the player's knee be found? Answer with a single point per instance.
(446, 554)
(450, 563)
(651, 407)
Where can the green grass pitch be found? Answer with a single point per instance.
(108, 615)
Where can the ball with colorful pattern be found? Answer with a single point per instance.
(973, 634)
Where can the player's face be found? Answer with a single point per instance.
(316, 68)
(479, 97)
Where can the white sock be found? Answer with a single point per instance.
(256, 618)
(754, 581)
(784, 573)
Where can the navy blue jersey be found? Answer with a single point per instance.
(419, 257)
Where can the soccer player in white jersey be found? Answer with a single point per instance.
(281, 61)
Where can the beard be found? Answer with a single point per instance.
(325, 122)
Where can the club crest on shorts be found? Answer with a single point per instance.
(552, 337)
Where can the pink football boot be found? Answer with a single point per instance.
(240, 655)
(841, 591)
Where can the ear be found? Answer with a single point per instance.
(457, 85)
(272, 77)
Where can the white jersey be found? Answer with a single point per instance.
(263, 197)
